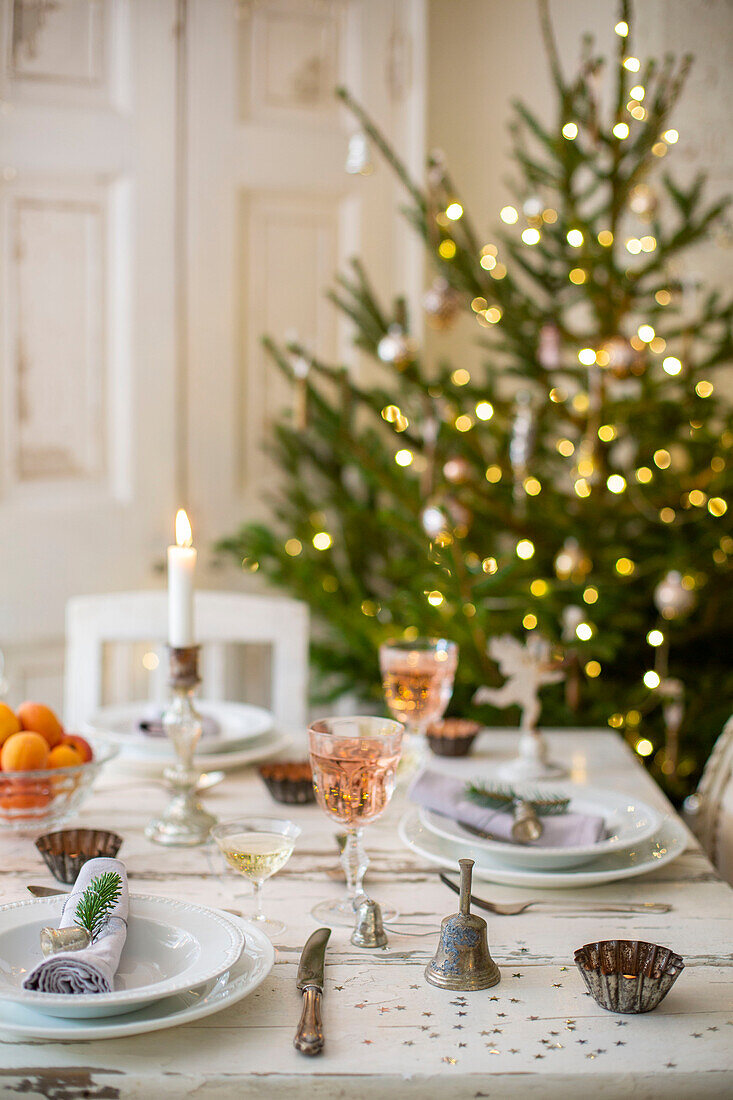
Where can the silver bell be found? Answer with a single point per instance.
(369, 929)
(64, 939)
(463, 959)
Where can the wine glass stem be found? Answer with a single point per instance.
(354, 861)
(258, 914)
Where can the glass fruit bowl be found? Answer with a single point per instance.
(32, 801)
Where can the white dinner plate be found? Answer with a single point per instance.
(171, 946)
(629, 821)
(260, 748)
(252, 967)
(236, 724)
(669, 843)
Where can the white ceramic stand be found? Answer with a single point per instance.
(532, 763)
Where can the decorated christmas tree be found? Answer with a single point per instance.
(578, 484)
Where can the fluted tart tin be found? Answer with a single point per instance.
(628, 976)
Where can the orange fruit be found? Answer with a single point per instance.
(81, 745)
(24, 751)
(23, 794)
(64, 756)
(37, 718)
(9, 723)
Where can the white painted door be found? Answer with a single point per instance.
(172, 186)
(274, 215)
(86, 313)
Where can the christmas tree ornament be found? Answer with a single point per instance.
(618, 355)
(436, 170)
(442, 304)
(396, 347)
(527, 669)
(572, 617)
(434, 521)
(532, 207)
(457, 470)
(301, 369)
(643, 201)
(358, 158)
(673, 599)
(672, 694)
(572, 563)
(548, 350)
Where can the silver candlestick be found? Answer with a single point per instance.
(184, 822)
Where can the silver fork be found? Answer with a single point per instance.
(513, 909)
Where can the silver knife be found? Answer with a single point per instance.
(309, 1036)
(45, 891)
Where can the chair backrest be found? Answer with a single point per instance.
(222, 618)
(712, 821)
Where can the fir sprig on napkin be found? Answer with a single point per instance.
(97, 902)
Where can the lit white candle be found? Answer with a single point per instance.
(181, 569)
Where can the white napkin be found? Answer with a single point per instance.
(447, 796)
(93, 969)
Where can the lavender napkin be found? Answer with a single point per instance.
(93, 969)
(447, 796)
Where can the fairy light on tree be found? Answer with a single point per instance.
(440, 510)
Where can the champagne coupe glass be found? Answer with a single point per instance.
(354, 762)
(417, 678)
(258, 847)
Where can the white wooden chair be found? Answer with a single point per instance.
(222, 619)
(709, 812)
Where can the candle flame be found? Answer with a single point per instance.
(183, 529)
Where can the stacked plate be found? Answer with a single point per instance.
(233, 734)
(180, 962)
(638, 839)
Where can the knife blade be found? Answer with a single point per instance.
(45, 891)
(309, 1038)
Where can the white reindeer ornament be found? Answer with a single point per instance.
(527, 669)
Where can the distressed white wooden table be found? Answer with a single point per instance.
(389, 1033)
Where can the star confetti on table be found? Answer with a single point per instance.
(590, 1055)
(434, 1035)
(362, 1005)
(414, 987)
(383, 1009)
(408, 1043)
(485, 1033)
(493, 998)
(696, 1035)
(450, 1061)
(367, 1042)
(620, 1043)
(427, 1014)
(516, 975)
(621, 1023)
(339, 987)
(501, 1014)
(539, 1056)
(712, 1029)
(399, 1008)
(563, 968)
(524, 951)
(458, 1027)
(581, 1041)
(461, 1045)
(493, 1050)
(557, 985)
(514, 1000)
(671, 1065)
(533, 1017)
(466, 1014)
(513, 1050)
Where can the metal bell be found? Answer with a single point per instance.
(463, 959)
(369, 929)
(54, 940)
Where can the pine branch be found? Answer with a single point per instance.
(97, 902)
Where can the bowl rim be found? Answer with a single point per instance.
(675, 959)
(104, 751)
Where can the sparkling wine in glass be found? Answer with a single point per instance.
(354, 762)
(258, 847)
(417, 678)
